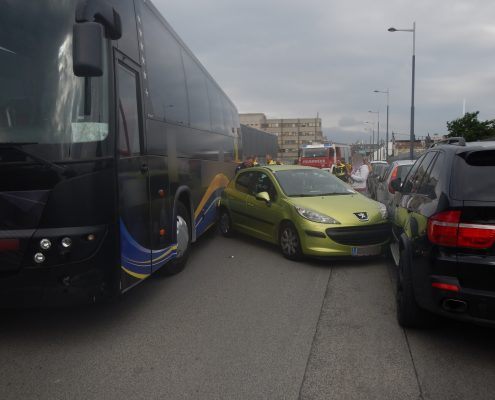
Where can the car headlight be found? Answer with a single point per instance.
(383, 210)
(315, 216)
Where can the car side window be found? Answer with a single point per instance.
(422, 171)
(261, 182)
(242, 182)
(411, 177)
(429, 184)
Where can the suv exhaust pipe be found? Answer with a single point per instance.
(454, 305)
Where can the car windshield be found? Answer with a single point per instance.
(311, 182)
(43, 105)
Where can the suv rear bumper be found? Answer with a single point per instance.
(465, 304)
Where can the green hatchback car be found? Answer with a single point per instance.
(305, 210)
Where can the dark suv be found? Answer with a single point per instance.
(444, 235)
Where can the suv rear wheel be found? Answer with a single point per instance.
(409, 314)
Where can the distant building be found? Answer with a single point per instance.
(292, 133)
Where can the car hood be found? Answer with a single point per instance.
(343, 208)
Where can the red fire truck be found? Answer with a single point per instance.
(324, 155)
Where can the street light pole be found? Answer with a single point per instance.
(378, 131)
(413, 30)
(386, 139)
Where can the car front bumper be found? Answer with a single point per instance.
(318, 240)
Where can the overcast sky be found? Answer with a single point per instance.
(299, 58)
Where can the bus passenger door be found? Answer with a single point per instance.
(133, 179)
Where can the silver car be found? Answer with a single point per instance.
(384, 192)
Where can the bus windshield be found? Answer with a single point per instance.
(43, 105)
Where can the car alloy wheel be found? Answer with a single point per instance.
(289, 242)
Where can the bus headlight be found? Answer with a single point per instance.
(45, 244)
(39, 258)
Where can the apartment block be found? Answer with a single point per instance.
(291, 133)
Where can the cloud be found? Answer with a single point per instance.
(327, 57)
(346, 122)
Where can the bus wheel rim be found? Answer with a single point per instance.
(224, 223)
(182, 236)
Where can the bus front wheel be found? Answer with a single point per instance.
(183, 224)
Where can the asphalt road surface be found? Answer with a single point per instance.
(241, 322)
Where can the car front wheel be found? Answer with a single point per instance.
(290, 245)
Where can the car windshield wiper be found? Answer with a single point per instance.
(17, 146)
(335, 194)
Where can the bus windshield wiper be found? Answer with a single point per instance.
(17, 146)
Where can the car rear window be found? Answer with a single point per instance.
(403, 170)
(473, 176)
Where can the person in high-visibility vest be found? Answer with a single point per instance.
(270, 160)
(340, 170)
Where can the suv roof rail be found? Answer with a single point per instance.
(459, 141)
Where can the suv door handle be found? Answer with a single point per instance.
(250, 204)
(144, 168)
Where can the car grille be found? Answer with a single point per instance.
(360, 235)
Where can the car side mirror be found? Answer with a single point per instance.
(263, 196)
(396, 184)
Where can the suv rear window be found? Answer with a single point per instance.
(473, 177)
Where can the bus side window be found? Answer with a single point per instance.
(128, 114)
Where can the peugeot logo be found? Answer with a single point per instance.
(362, 216)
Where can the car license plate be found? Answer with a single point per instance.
(366, 251)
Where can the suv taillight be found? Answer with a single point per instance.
(445, 229)
(394, 176)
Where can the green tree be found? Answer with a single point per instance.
(470, 128)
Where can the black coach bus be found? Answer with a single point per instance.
(115, 144)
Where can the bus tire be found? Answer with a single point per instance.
(183, 226)
(225, 223)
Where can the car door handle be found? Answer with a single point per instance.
(250, 204)
(143, 168)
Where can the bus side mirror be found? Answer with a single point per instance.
(95, 19)
(102, 12)
(87, 50)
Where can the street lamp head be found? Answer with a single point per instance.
(392, 30)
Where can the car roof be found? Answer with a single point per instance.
(404, 162)
(462, 146)
(276, 168)
(378, 162)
